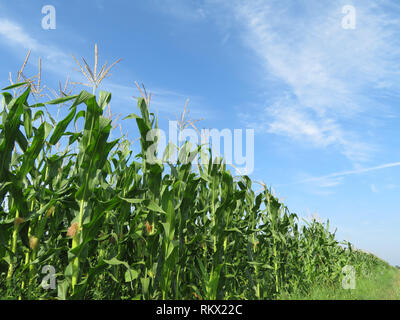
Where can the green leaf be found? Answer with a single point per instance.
(104, 99)
(131, 275)
(135, 201)
(154, 207)
(28, 122)
(61, 127)
(115, 262)
(233, 230)
(131, 116)
(38, 114)
(62, 290)
(16, 85)
(61, 100)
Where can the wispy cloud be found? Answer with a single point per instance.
(335, 178)
(54, 58)
(15, 34)
(334, 77)
(286, 117)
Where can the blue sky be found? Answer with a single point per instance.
(323, 100)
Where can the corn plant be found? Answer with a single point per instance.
(117, 226)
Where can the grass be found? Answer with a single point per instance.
(115, 225)
(382, 284)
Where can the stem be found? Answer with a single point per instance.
(13, 247)
(276, 268)
(76, 240)
(32, 257)
(213, 216)
(256, 268)
(75, 243)
(27, 254)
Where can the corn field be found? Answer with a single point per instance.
(115, 226)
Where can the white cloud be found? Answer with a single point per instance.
(328, 72)
(53, 58)
(16, 35)
(291, 122)
(286, 117)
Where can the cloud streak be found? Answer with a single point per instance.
(336, 177)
